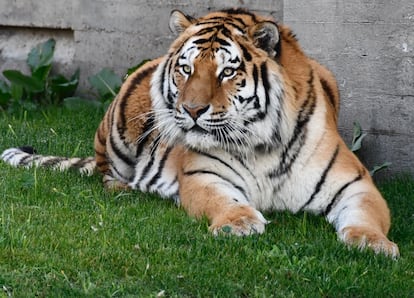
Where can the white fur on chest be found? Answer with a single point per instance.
(291, 190)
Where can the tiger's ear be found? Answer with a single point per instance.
(266, 36)
(179, 21)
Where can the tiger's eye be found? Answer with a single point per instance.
(186, 69)
(228, 71)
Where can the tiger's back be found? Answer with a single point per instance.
(236, 120)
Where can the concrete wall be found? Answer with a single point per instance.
(105, 33)
(368, 44)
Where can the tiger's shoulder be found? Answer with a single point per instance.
(301, 68)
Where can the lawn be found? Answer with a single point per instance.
(63, 235)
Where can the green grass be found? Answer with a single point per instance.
(63, 235)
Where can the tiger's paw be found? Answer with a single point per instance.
(239, 221)
(112, 184)
(363, 238)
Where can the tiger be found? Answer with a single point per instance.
(234, 121)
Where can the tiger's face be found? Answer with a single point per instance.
(217, 87)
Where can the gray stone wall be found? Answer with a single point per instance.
(368, 44)
(104, 33)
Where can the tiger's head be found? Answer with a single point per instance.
(220, 84)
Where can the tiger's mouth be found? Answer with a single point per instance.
(197, 129)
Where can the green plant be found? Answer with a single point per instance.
(40, 87)
(356, 145)
(106, 84)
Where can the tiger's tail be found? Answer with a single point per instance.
(26, 157)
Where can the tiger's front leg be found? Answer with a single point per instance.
(205, 192)
(362, 219)
(219, 203)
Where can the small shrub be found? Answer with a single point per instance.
(356, 145)
(106, 84)
(40, 87)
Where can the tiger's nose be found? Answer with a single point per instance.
(195, 110)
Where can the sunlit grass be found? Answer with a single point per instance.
(63, 235)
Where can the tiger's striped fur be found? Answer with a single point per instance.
(233, 120)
